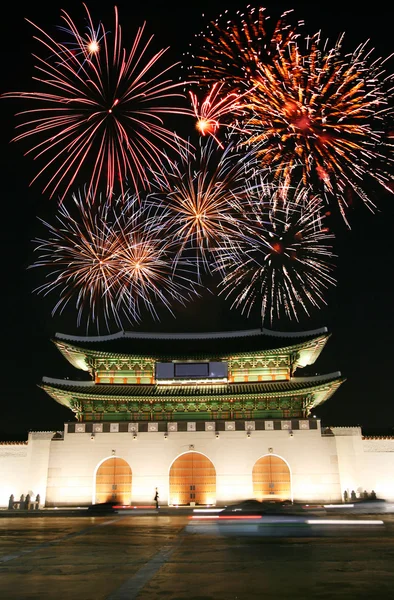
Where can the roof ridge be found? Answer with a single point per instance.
(186, 336)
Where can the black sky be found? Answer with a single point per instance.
(360, 310)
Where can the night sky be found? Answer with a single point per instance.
(360, 309)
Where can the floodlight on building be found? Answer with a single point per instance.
(291, 433)
(165, 435)
(134, 436)
(217, 434)
(92, 437)
(248, 433)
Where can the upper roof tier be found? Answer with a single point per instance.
(84, 352)
(207, 335)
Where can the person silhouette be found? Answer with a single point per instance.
(156, 498)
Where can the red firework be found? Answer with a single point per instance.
(214, 108)
(101, 109)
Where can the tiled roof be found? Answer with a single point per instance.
(83, 358)
(207, 335)
(193, 346)
(90, 389)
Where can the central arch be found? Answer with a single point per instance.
(113, 481)
(271, 478)
(192, 479)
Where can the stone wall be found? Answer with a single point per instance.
(13, 470)
(365, 463)
(62, 468)
(310, 456)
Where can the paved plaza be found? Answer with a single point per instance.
(172, 557)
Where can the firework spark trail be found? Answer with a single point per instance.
(109, 259)
(198, 196)
(102, 110)
(85, 44)
(81, 252)
(215, 106)
(147, 263)
(283, 258)
(232, 49)
(322, 117)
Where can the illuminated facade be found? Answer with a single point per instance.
(207, 418)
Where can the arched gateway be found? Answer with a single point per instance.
(271, 479)
(113, 481)
(180, 389)
(192, 479)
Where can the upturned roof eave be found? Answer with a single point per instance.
(323, 397)
(325, 387)
(191, 336)
(82, 358)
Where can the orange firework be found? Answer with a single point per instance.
(198, 196)
(233, 49)
(321, 117)
(111, 261)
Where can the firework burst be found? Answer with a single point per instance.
(214, 108)
(109, 260)
(323, 118)
(101, 110)
(85, 44)
(283, 258)
(198, 196)
(148, 268)
(81, 253)
(232, 50)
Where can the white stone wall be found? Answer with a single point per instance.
(24, 467)
(321, 466)
(311, 458)
(371, 444)
(365, 463)
(13, 470)
(39, 448)
(379, 466)
(350, 458)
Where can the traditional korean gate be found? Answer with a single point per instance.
(192, 479)
(271, 479)
(113, 481)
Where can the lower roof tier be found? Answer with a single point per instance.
(297, 397)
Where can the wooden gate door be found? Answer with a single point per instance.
(192, 479)
(113, 481)
(271, 479)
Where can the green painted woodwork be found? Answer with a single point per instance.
(131, 411)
